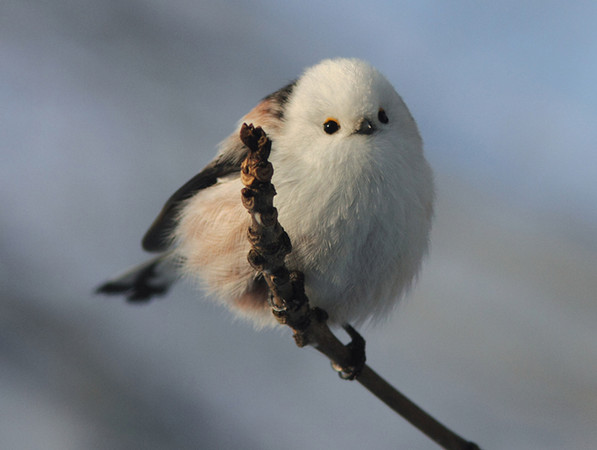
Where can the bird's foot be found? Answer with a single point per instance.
(355, 360)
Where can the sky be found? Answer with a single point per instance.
(108, 107)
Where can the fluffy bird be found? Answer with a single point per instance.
(354, 193)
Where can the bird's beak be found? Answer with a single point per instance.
(365, 127)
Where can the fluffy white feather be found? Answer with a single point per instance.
(357, 207)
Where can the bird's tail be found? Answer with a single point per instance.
(142, 282)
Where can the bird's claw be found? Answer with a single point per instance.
(355, 360)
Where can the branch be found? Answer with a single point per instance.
(269, 246)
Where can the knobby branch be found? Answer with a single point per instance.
(269, 246)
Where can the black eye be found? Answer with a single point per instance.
(382, 116)
(330, 126)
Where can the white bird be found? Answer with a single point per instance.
(354, 193)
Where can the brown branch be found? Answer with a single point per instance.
(269, 246)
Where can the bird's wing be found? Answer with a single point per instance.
(268, 113)
(157, 238)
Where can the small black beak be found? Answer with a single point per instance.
(365, 127)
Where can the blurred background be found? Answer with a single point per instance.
(108, 107)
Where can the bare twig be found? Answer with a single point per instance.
(269, 246)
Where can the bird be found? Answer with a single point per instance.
(355, 194)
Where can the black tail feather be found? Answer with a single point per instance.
(139, 284)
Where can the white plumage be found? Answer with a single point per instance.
(355, 196)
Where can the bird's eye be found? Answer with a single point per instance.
(330, 126)
(382, 116)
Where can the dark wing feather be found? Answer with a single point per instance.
(269, 112)
(157, 237)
